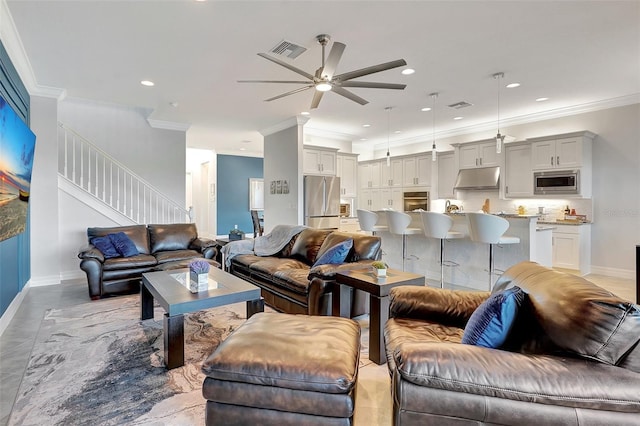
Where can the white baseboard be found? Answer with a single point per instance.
(72, 275)
(44, 281)
(13, 308)
(614, 272)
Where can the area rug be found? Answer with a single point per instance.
(97, 363)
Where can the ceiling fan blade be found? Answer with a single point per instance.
(370, 70)
(332, 60)
(349, 95)
(286, 65)
(301, 89)
(317, 97)
(274, 81)
(371, 85)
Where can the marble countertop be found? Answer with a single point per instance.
(562, 222)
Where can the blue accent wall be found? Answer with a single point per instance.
(15, 266)
(233, 177)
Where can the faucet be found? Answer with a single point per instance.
(447, 205)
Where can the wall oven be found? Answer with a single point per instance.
(418, 200)
(556, 182)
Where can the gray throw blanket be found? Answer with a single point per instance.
(266, 245)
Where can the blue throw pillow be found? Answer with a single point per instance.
(123, 244)
(490, 323)
(105, 246)
(336, 254)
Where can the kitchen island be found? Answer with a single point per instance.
(471, 259)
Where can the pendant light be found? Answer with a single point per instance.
(434, 96)
(499, 137)
(388, 109)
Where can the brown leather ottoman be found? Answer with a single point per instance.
(282, 369)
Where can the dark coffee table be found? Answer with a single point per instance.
(378, 289)
(170, 289)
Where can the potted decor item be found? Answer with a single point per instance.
(199, 276)
(380, 268)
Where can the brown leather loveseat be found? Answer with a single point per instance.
(289, 281)
(157, 246)
(571, 358)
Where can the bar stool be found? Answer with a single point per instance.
(489, 229)
(368, 220)
(438, 226)
(398, 223)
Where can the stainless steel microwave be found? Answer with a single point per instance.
(556, 182)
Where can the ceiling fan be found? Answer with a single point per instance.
(324, 79)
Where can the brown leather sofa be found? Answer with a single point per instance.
(289, 284)
(157, 245)
(573, 357)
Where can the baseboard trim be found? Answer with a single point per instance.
(613, 272)
(13, 307)
(72, 275)
(44, 281)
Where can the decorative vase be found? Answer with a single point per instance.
(198, 282)
(381, 272)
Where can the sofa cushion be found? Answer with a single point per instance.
(270, 265)
(137, 233)
(490, 323)
(308, 244)
(138, 261)
(577, 315)
(123, 244)
(176, 255)
(105, 246)
(334, 255)
(295, 280)
(175, 236)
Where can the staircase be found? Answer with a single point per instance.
(100, 180)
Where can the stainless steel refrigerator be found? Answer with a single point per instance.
(322, 202)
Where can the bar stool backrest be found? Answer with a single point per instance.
(367, 219)
(397, 221)
(486, 228)
(436, 225)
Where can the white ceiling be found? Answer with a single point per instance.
(577, 53)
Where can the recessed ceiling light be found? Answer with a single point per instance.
(243, 149)
(512, 85)
(542, 99)
(408, 71)
(458, 118)
(366, 125)
(304, 113)
(425, 109)
(246, 141)
(147, 83)
(364, 139)
(397, 131)
(174, 104)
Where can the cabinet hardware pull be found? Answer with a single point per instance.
(557, 160)
(552, 160)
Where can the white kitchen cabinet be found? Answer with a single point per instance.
(558, 152)
(478, 155)
(370, 199)
(369, 174)
(391, 198)
(447, 174)
(572, 247)
(319, 161)
(416, 170)
(518, 173)
(391, 175)
(347, 171)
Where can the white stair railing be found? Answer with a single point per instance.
(105, 178)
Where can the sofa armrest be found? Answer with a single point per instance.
(328, 272)
(90, 252)
(206, 246)
(545, 379)
(438, 305)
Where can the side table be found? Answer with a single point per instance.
(378, 289)
(221, 242)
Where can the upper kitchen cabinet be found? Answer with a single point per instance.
(391, 175)
(518, 173)
(416, 170)
(447, 174)
(347, 171)
(319, 161)
(480, 154)
(369, 174)
(568, 151)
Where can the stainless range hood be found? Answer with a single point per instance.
(485, 178)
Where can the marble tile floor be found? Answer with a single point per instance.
(373, 406)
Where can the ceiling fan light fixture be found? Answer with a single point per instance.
(323, 86)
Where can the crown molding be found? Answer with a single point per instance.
(168, 125)
(323, 133)
(298, 120)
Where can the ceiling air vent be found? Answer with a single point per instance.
(460, 105)
(288, 49)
